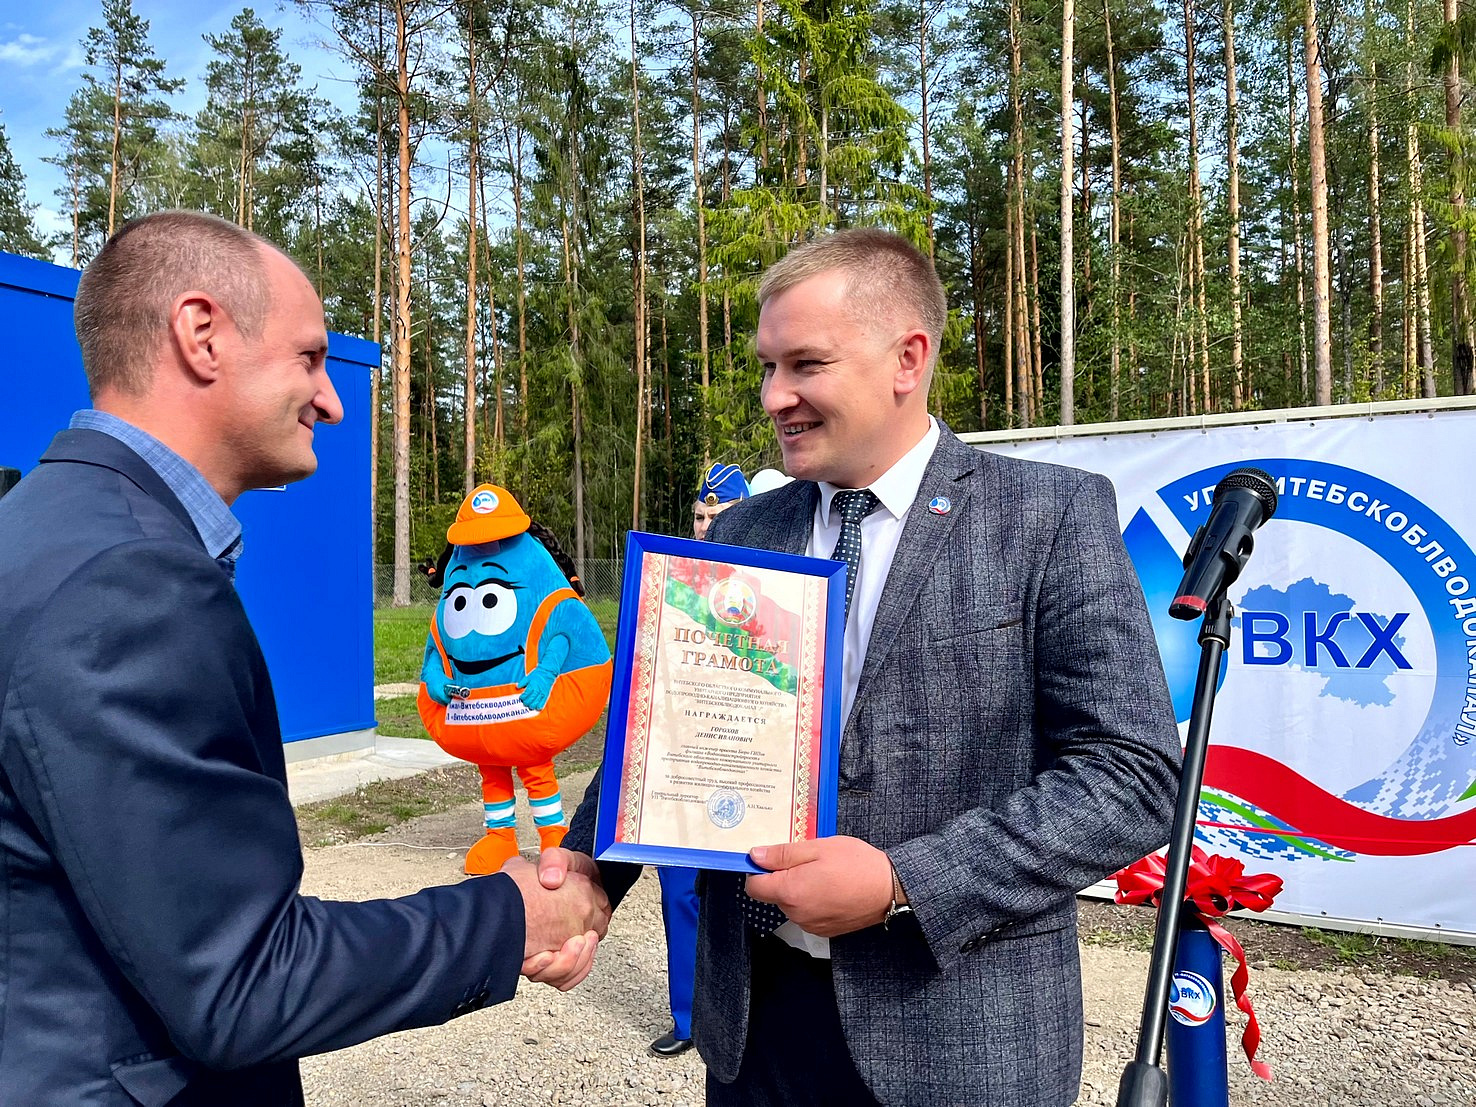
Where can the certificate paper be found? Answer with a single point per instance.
(723, 723)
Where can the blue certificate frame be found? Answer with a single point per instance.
(715, 720)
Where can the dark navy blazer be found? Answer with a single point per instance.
(154, 947)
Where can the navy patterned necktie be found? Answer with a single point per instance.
(853, 504)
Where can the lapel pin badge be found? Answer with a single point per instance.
(940, 505)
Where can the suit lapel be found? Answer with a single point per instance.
(92, 447)
(798, 520)
(782, 525)
(921, 544)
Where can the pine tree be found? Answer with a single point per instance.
(124, 73)
(253, 138)
(18, 232)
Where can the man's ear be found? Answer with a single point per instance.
(912, 363)
(197, 326)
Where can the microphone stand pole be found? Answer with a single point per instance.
(1144, 1083)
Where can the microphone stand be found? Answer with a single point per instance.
(1144, 1083)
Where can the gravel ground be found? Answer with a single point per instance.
(1333, 1038)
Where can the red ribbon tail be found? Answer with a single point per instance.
(1251, 1039)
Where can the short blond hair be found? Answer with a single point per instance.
(886, 276)
(122, 307)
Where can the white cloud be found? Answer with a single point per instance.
(74, 59)
(27, 50)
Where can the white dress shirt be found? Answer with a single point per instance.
(897, 488)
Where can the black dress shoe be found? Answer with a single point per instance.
(669, 1045)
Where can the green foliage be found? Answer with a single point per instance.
(18, 233)
(812, 122)
(113, 142)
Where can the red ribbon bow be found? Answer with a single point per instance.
(1216, 885)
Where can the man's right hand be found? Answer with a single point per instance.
(557, 910)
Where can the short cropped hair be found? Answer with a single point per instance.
(123, 299)
(887, 276)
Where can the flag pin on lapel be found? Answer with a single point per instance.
(940, 505)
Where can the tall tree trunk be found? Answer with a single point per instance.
(822, 155)
(1009, 344)
(469, 473)
(1460, 332)
(1017, 244)
(499, 425)
(697, 199)
(1196, 221)
(1317, 164)
(115, 163)
(1299, 253)
(1375, 242)
(760, 95)
(1422, 298)
(74, 179)
(923, 21)
(1408, 315)
(515, 157)
(1068, 195)
(376, 381)
(1037, 341)
(571, 283)
(639, 276)
(1084, 161)
(401, 321)
(433, 452)
(1115, 231)
(1232, 145)
(727, 293)
(976, 287)
(1416, 184)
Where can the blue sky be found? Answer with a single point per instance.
(41, 63)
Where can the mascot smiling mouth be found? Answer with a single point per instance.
(477, 668)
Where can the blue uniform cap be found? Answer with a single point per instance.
(722, 484)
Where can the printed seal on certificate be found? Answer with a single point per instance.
(724, 728)
(725, 808)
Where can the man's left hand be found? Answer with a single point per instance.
(828, 886)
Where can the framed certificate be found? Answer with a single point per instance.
(725, 711)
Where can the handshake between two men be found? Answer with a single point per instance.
(565, 918)
(829, 886)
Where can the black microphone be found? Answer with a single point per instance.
(1244, 499)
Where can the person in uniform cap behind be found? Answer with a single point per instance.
(722, 486)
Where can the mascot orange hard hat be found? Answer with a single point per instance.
(487, 515)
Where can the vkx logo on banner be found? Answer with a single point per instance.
(1377, 645)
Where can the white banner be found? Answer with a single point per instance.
(1343, 746)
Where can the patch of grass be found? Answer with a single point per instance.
(1346, 946)
(1353, 948)
(398, 717)
(399, 643)
(375, 808)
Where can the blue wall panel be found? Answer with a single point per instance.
(305, 575)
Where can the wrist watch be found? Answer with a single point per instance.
(898, 906)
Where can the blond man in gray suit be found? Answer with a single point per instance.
(1009, 737)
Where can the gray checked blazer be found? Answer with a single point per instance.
(1012, 741)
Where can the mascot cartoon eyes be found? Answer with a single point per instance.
(489, 608)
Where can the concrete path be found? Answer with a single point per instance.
(323, 778)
